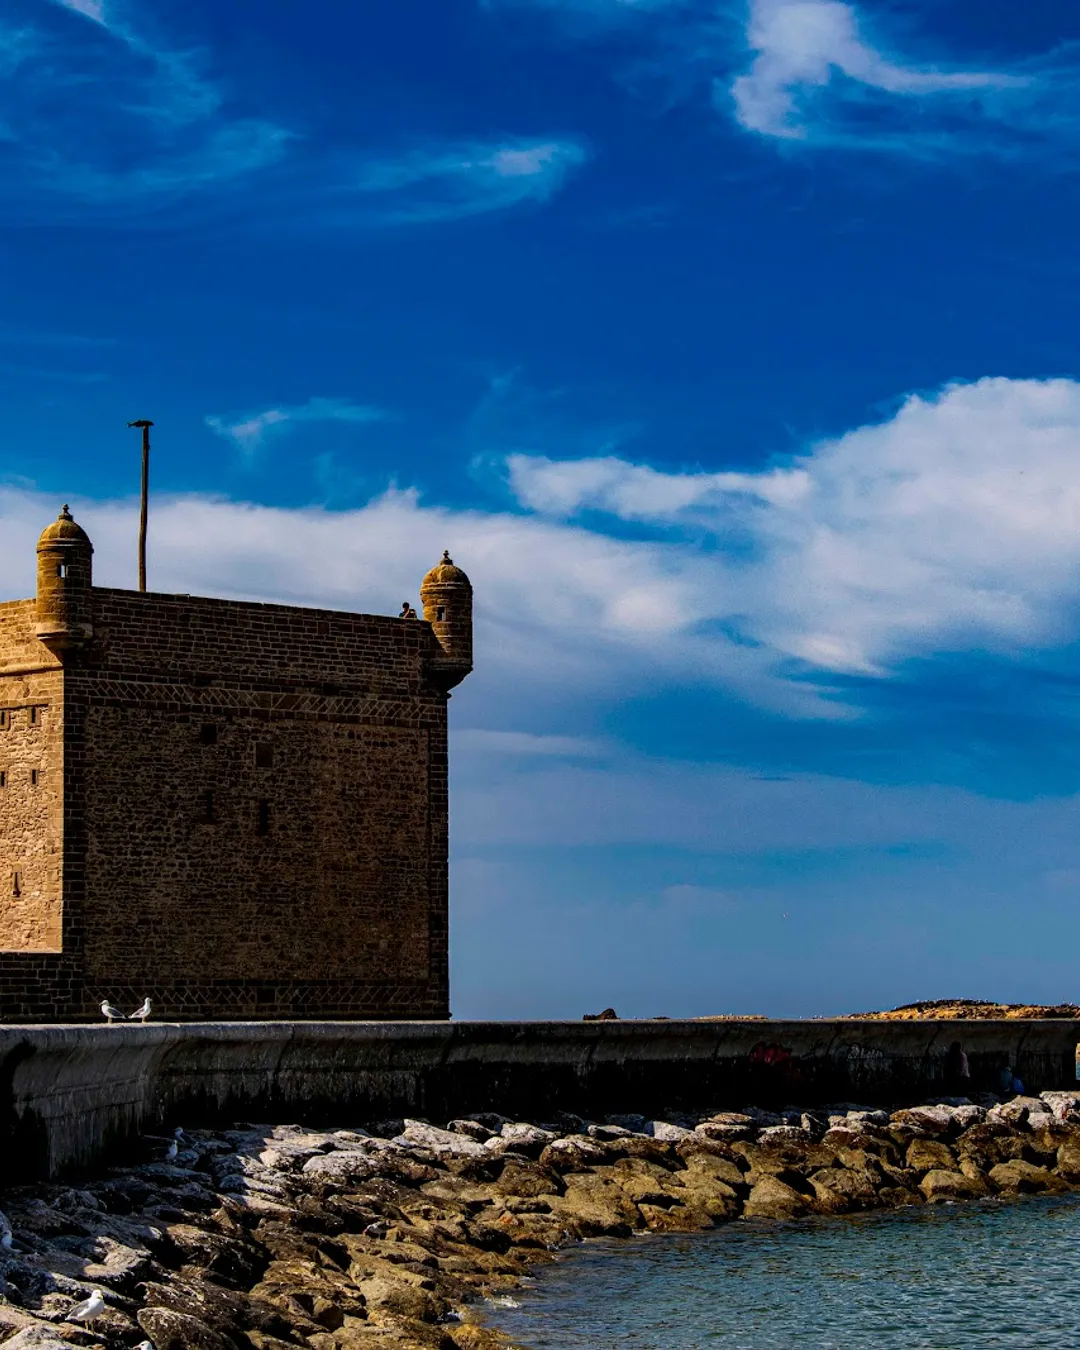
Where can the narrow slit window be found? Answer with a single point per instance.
(33, 716)
(4, 718)
(208, 733)
(16, 884)
(62, 571)
(262, 818)
(440, 613)
(264, 755)
(33, 777)
(208, 807)
(3, 778)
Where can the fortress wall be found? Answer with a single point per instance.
(267, 645)
(70, 1095)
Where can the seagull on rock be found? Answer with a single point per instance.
(378, 1229)
(6, 1235)
(110, 1013)
(141, 1014)
(89, 1310)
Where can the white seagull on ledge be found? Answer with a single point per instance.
(141, 1014)
(110, 1013)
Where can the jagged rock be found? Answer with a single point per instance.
(1062, 1104)
(528, 1139)
(1025, 1178)
(171, 1330)
(783, 1134)
(927, 1154)
(574, 1153)
(38, 1337)
(945, 1184)
(342, 1167)
(838, 1190)
(771, 1198)
(725, 1131)
(1068, 1159)
(598, 1205)
(418, 1134)
(472, 1129)
(931, 1120)
(665, 1131)
(528, 1179)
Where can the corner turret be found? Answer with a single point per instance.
(64, 555)
(446, 595)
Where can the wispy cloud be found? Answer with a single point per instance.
(816, 75)
(450, 182)
(105, 120)
(250, 431)
(829, 74)
(90, 9)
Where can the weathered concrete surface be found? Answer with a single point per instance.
(71, 1094)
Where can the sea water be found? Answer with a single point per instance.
(935, 1278)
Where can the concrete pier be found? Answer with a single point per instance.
(71, 1096)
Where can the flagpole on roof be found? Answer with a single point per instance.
(145, 498)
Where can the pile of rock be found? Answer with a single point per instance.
(263, 1237)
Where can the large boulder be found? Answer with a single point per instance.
(925, 1155)
(942, 1183)
(418, 1134)
(574, 1153)
(837, 1190)
(1023, 1177)
(171, 1330)
(772, 1198)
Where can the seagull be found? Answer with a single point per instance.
(92, 1308)
(145, 1345)
(111, 1013)
(378, 1229)
(6, 1234)
(141, 1014)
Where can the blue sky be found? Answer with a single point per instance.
(732, 350)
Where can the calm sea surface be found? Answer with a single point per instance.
(939, 1278)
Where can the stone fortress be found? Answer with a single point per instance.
(236, 809)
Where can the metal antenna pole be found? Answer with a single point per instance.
(145, 502)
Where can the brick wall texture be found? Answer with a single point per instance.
(238, 810)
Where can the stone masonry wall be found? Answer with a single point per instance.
(254, 815)
(31, 783)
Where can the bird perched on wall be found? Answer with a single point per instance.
(141, 1014)
(6, 1234)
(88, 1310)
(110, 1013)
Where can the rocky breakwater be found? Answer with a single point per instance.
(265, 1237)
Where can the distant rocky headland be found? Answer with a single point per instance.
(266, 1237)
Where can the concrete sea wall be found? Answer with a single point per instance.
(71, 1096)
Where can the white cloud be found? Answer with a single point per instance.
(249, 431)
(803, 46)
(956, 522)
(952, 526)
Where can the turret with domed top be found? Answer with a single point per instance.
(446, 595)
(64, 580)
